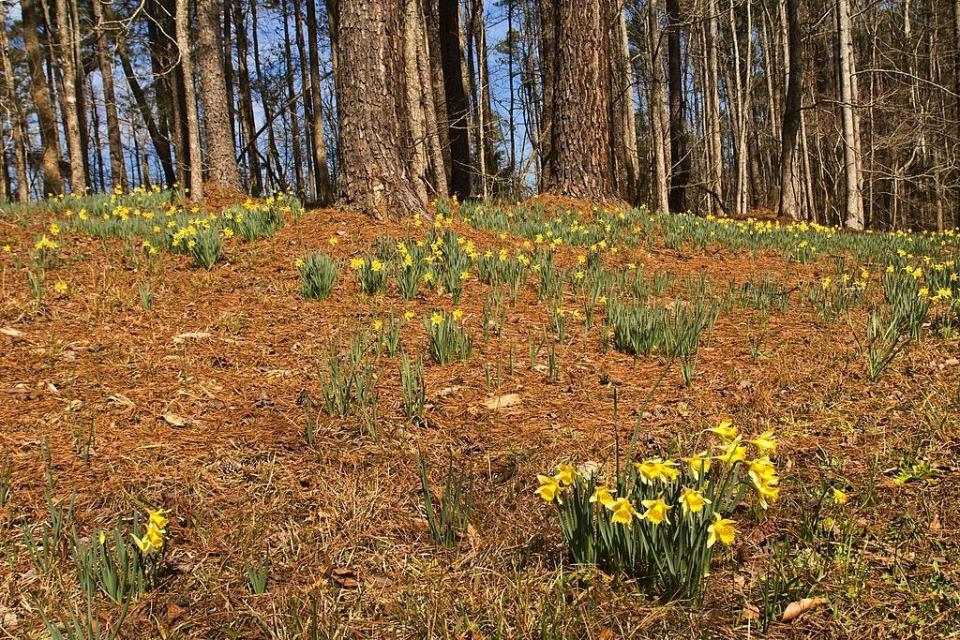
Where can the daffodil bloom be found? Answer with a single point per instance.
(699, 464)
(298, 263)
(839, 496)
(656, 511)
(623, 512)
(356, 263)
(158, 518)
(722, 529)
(376, 266)
(603, 496)
(733, 452)
(725, 430)
(656, 469)
(767, 493)
(765, 442)
(408, 315)
(436, 319)
(564, 475)
(377, 325)
(60, 286)
(692, 500)
(762, 471)
(548, 488)
(457, 314)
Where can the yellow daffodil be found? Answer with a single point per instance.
(436, 319)
(623, 512)
(408, 315)
(457, 314)
(692, 500)
(732, 453)
(725, 430)
(603, 496)
(548, 489)
(565, 474)
(839, 496)
(722, 529)
(698, 463)
(656, 511)
(765, 442)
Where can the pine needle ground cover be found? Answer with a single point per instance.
(525, 421)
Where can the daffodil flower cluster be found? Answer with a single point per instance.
(660, 519)
(155, 537)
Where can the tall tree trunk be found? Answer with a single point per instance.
(268, 112)
(434, 140)
(190, 98)
(221, 156)
(581, 160)
(680, 175)
(713, 131)
(376, 176)
(624, 116)
(17, 117)
(789, 183)
(160, 143)
(659, 110)
(455, 99)
(311, 181)
(432, 29)
(118, 171)
(66, 36)
(247, 121)
(295, 142)
(40, 92)
(322, 173)
(851, 139)
(956, 86)
(413, 90)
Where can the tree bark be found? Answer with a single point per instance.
(17, 118)
(66, 36)
(680, 174)
(221, 156)
(322, 174)
(247, 122)
(851, 139)
(190, 99)
(659, 111)
(118, 171)
(789, 182)
(455, 99)
(582, 145)
(375, 144)
(714, 141)
(40, 92)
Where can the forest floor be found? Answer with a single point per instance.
(141, 383)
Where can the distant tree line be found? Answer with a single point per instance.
(834, 111)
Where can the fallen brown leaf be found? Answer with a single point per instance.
(796, 609)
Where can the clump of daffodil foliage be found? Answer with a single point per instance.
(659, 520)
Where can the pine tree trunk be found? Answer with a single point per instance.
(66, 35)
(221, 156)
(375, 144)
(432, 33)
(433, 130)
(295, 142)
(457, 104)
(413, 90)
(192, 119)
(247, 122)
(160, 143)
(118, 171)
(851, 139)
(40, 92)
(680, 175)
(658, 107)
(789, 183)
(624, 120)
(582, 145)
(714, 141)
(17, 118)
(323, 186)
